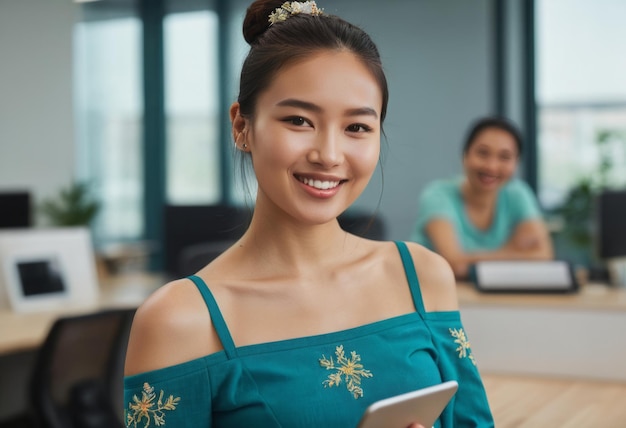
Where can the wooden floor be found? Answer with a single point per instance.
(524, 402)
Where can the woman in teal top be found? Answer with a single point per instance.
(321, 380)
(486, 214)
(301, 324)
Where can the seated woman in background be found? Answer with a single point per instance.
(487, 214)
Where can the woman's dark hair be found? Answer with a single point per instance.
(274, 46)
(492, 122)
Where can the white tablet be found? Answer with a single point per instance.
(537, 276)
(422, 406)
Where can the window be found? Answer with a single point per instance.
(191, 106)
(110, 119)
(580, 95)
(114, 116)
(109, 122)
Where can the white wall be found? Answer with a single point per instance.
(36, 116)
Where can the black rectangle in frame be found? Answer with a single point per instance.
(40, 277)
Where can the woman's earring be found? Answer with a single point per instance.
(244, 146)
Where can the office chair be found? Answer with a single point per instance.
(77, 381)
(195, 257)
(363, 224)
(187, 225)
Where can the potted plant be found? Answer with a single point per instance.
(73, 206)
(577, 209)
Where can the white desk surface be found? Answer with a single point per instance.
(27, 331)
(592, 296)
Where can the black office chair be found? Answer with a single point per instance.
(77, 381)
(188, 225)
(195, 257)
(363, 224)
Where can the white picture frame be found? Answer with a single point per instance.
(47, 269)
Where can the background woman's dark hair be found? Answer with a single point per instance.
(492, 122)
(272, 47)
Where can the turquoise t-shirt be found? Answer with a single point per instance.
(442, 199)
(325, 380)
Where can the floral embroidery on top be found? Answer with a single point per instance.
(146, 408)
(350, 368)
(464, 349)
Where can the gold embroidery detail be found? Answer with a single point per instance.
(464, 349)
(350, 368)
(144, 408)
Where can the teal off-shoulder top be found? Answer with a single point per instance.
(316, 381)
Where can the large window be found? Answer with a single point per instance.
(192, 108)
(109, 122)
(581, 95)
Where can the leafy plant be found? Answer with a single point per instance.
(73, 206)
(576, 212)
(578, 205)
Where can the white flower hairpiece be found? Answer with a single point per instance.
(294, 8)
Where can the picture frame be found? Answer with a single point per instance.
(47, 269)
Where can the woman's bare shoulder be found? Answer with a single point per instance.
(172, 326)
(436, 279)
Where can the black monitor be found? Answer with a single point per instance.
(611, 224)
(15, 209)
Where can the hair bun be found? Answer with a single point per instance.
(256, 21)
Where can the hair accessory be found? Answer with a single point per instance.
(294, 8)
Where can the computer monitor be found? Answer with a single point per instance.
(611, 237)
(15, 209)
(611, 224)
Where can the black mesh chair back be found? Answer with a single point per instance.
(195, 257)
(77, 381)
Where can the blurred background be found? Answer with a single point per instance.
(130, 97)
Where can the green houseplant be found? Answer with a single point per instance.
(72, 206)
(577, 209)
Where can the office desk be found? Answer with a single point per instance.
(576, 336)
(592, 296)
(21, 332)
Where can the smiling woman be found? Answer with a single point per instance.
(300, 323)
(487, 214)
